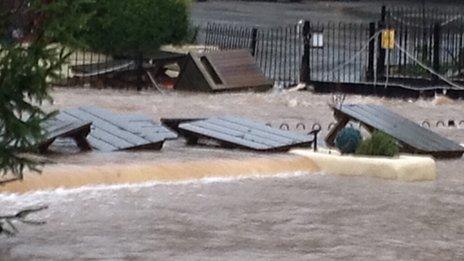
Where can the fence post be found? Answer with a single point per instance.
(370, 63)
(381, 55)
(305, 70)
(383, 14)
(254, 36)
(436, 51)
(139, 71)
(206, 42)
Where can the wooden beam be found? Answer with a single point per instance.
(341, 123)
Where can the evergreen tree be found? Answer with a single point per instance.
(26, 73)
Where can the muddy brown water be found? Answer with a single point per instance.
(294, 216)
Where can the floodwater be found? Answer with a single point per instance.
(295, 216)
(300, 217)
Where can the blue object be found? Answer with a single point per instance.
(348, 140)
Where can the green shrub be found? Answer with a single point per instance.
(347, 140)
(136, 28)
(379, 144)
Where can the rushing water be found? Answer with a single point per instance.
(299, 216)
(293, 217)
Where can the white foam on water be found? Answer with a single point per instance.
(38, 196)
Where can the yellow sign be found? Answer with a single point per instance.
(388, 39)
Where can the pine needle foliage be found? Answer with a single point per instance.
(26, 73)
